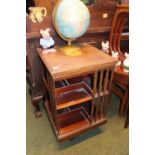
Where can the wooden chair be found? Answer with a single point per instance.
(119, 29)
(120, 84)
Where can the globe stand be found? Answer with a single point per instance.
(71, 50)
(69, 42)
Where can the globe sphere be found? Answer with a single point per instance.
(71, 19)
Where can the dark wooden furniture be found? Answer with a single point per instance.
(120, 28)
(97, 32)
(33, 77)
(120, 85)
(66, 106)
(29, 3)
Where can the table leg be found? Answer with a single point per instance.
(35, 103)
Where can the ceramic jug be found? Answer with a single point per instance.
(37, 13)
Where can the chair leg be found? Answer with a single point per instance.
(109, 98)
(126, 107)
(123, 103)
(126, 124)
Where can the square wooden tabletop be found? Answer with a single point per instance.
(62, 65)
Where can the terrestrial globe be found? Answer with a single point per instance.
(71, 19)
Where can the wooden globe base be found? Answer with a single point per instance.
(71, 50)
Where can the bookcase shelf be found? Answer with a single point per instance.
(72, 95)
(66, 124)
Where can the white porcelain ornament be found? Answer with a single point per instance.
(105, 46)
(126, 63)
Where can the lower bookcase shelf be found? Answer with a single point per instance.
(71, 123)
(72, 120)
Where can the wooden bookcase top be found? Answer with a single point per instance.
(62, 66)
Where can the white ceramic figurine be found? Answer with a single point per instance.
(105, 46)
(115, 55)
(46, 42)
